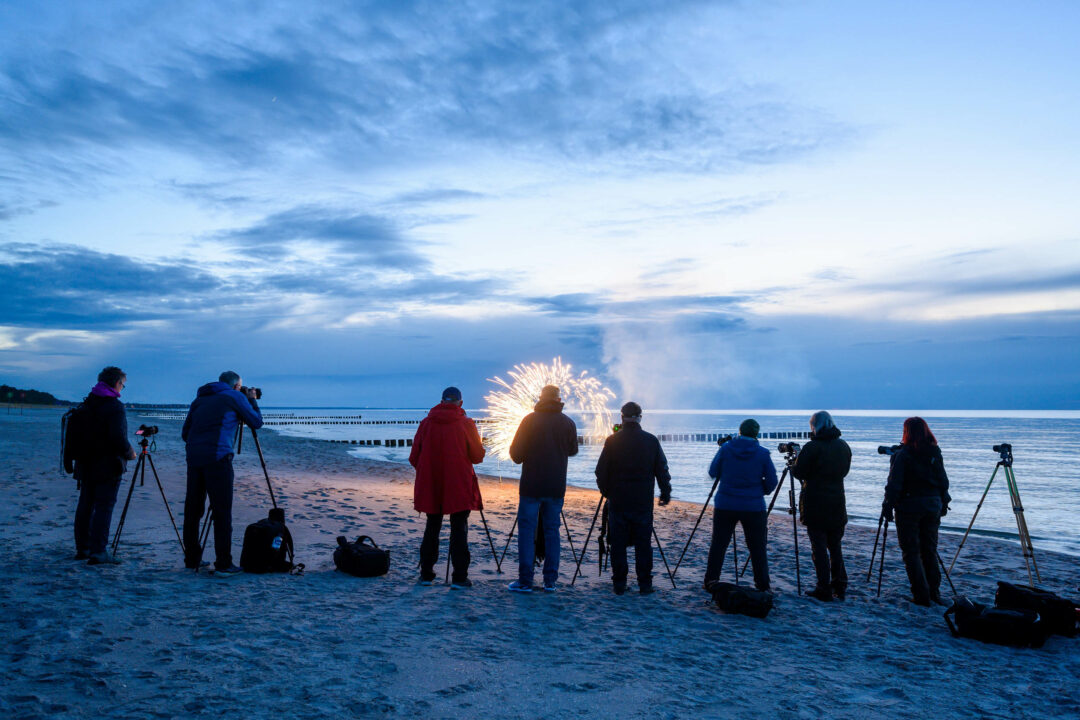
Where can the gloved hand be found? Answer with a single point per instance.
(944, 510)
(887, 511)
(664, 500)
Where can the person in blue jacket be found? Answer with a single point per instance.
(209, 430)
(746, 475)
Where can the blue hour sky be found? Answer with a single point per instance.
(707, 204)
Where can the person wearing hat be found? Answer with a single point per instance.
(544, 441)
(746, 475)
(446, 446)
(631, 461)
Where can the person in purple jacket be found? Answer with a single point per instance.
(209, 429)
(747, 475)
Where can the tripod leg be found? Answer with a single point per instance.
(768, 512)
(947, 577)
(881, 565)
(700, 515)
(581, 557)
(491, 543)
(509, 538)
(795, 532)
(166, 501)
(127, 504)
(1021, 526)
(568, 538)
(258, 449)
(448, 566)
(661, 549)
(977, 509)
(873, 553)
(735, 554)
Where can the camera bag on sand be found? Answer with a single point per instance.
(1058, 614)
(268, 546)
(1017, 628)
(362, 558)
(741, 599)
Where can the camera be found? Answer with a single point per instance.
(1003, 449)
(791, 448)
(257, 391)
(887, 449)
(724, 438)
(147, 430)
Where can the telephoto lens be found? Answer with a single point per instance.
(723, 439)
(887, 449)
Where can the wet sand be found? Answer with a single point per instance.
(149, 639)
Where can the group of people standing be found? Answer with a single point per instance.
(631, 466)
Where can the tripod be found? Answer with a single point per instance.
(1004, 450)
(791, 453)
(600, 558)
(204, 532)
(491, 544)
(140, 473)
(882, 520)
(565, 526)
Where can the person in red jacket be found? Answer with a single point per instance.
(446, 446)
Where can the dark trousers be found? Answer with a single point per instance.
(624, 527)
(917, 534)
(459, 545)
(216, 481)
(756, 531)
(828, 557)
(93, 515)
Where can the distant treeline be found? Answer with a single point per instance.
(10, 394)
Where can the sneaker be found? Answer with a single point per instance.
(619, 588)
(821, 594)
(103, 558)
(230, 571)
(519, 587)
(424, 582)
(463, 584)
(81, 555)
(646, 590)
(549, 587)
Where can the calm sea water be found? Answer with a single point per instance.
(1046, 448)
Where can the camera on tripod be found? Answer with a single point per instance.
(789, 448)
(887, 449)
(724, 438)
(1003, 449)
(147, 430)
(257, 391)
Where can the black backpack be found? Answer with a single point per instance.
(268, 546)
(1017, 628)
(72, 434)
(741, 599)
(362, 558)
(1058, 614)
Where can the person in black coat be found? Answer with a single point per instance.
(629, 465)
(96, 452)
(917, 494)
(821, 466)
(543, 442)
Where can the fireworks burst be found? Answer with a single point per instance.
(508, 405)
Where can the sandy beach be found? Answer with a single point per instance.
(149, 639)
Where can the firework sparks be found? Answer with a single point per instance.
(514, 400)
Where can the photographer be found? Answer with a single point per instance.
(746, 475)
(218, 409)
(631, 461)
(917, 493)
(96, 451)
(822, 466)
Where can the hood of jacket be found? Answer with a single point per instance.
(744, 447)
(212, 389)
(548, 406)
(445, 413)
(827, 434)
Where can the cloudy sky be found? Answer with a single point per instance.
(770, 204)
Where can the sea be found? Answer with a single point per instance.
(1046, 450)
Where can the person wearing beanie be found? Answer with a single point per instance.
(445, 448)
(630, 465)
(746, 474)
(821, 466)
(96, 451)
(544, 441)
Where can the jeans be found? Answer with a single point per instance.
(755, 529)
(549, 510)
(216, 481)
(828, 558)
(94, 513)
(459, 545)
(626, 526)
(917, 534)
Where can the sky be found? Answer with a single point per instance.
(705, 204)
